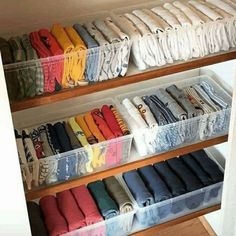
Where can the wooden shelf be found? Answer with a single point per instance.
(38, 193)
(129, 79)
(155, 229)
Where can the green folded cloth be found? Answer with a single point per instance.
(118, 194)
(105, 203)
(10, 75)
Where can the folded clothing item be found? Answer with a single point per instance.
(105, 203)
(138, 188)
(117, 192)
(54, 221)
(70, 210)
(87, 205)
(36, 221)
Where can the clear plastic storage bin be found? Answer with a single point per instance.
(45, 171)
(176, 207)
(163, 138)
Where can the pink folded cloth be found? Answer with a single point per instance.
(70, 210)
(54, 221)
(87, 204)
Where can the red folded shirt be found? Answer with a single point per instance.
(102, 125)
(111, 121)
(70, 210)
(54, 48)
(55, 222)
(86, 204)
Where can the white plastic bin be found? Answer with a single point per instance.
(115, 152)
(163, 138)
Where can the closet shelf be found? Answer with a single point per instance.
(132, 77)
(41, 192)
(155, 229)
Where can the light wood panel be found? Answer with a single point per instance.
(38, 193)
(101, 86)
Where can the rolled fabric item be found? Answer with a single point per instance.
(79, 57)
(154, 183)
(197, 169)
(206, 10)
(53, 139)
(35, 136)
(117, 192)
(86, 204)
(88, 134)
(206, 97)
(111, 121)
(66, 165)
(128, 28)
(218, 10)
(159, 117)
(173, 106)
(145, 111)
(26, 174)
(10, 76)
(45, 143)
(70, 210)
(43, 52)
(134, 112)
(37, 225)
(93, 127)
(182, 100)
(54, 221)
(105, 203)
(214, 96)
(120, 121)
(68, 48)
(82, 139)
(138, 189)
(190, 181)
(31, 156)
(92, 69)
(223, 5)
(208, 165)
(102, 125)
(52, 45)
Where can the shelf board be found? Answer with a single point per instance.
(129, 79)
(155, 229)
(41, 192)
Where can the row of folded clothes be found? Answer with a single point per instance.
(173, 116)
(99, 49)
(153, 194)
(99, 137)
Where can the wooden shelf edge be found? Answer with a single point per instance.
(155, 229)
(38, 193)
(109, 84)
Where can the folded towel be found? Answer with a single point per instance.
(70, 210)
(224, 6)
(138, 189)
(118, 194)
(36, 221)
(87, 205)
(54, 221)
(105, 203)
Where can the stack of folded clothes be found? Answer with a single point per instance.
(169, 179)
(80, 207)
(159, 121)
(41, 149)
(178, 30)
(64, 57)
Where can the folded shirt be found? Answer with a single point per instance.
(70, 210)
(105, 203)
(118, 194)
(54, 221)
(87, 205)
(138, 189)
(35, 136)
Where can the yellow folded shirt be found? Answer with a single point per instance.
(79, 58)
(59, 33)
